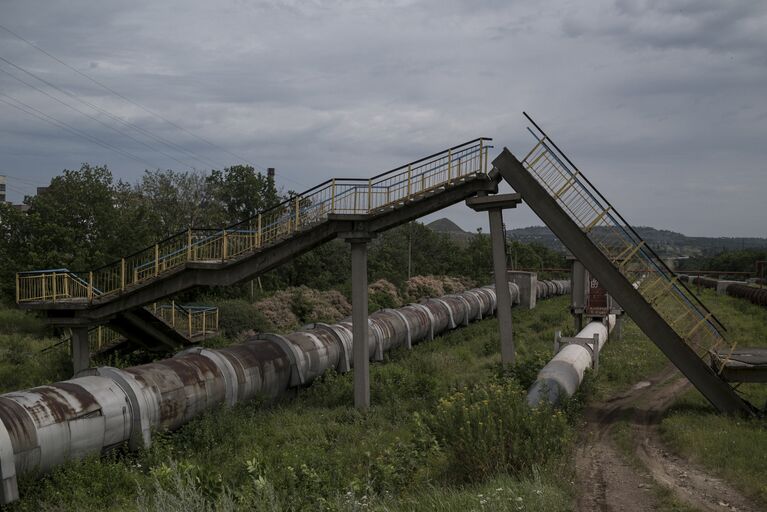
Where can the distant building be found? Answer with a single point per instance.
(2, 189)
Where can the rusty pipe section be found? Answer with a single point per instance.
(743, 290)
(45, 426)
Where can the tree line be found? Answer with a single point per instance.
(86, 218)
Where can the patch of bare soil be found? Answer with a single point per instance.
(608, 482)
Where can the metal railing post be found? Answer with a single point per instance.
(216, 319)
(90, 286)
(333, 196)
(189, 322)
(54, 287)
(173, 313)
(258, 239)
(409, 175)
(449, 164)
(67, 277)
(224, 247)
(189, 244)
(44, 288)
(156, 259)
(18, 291)
(122, 274)
(370, 194)
(204, 314)
(481, 155)
(298, 212)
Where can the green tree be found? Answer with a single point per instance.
(75, 222)
(240, 192)
(176, 201)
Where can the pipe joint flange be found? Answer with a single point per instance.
(408, 339)
(377, 333)
(145, 410)
(344, 362)
(466, 319)
(451, 325)
(296, 356)
(475, 295)
(429, 315)
(224, 366)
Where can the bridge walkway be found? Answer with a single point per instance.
(236, 253)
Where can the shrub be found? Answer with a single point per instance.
(236, 316)
(489, 429)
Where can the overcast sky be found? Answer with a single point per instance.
(663, 104)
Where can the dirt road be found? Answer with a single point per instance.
(609, 480)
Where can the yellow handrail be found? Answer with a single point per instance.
(388, 190)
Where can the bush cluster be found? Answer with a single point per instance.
(489, 429)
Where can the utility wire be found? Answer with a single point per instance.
(32, 111)
(89, 116)
(125, 98)
(120, 120)
(142, 107)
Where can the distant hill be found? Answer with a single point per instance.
(450, 228)
(666, 243)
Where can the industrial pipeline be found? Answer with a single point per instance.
(738, 289)
(562, 376)
(45, 426)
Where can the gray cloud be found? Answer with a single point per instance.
(661, 103)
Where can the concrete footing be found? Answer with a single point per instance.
(528, 284)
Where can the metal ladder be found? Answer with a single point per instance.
(567, 201)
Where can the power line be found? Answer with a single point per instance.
(125, 98)
(142, 107)
(32, 111)
(22, 180)
(89, 116)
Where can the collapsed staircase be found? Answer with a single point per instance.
(590, 227)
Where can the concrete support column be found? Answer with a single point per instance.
(81, 351)
(502, 294)
(360, 347)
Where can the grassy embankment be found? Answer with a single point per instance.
(447, 432)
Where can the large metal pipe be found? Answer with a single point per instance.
(43, 427)
(562, 376)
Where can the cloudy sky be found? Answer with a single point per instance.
(662, 103)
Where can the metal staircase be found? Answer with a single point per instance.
(156, 328)
(206, 257)
(590, 227)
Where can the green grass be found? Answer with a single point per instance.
(730, 447)
(22, 362)
(313, 451)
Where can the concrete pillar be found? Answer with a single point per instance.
(81, 351)
(502, 293)
(578, 290)
(360, 349)
(528, 287)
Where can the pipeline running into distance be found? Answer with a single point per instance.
(739, 289)
(45, 426)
